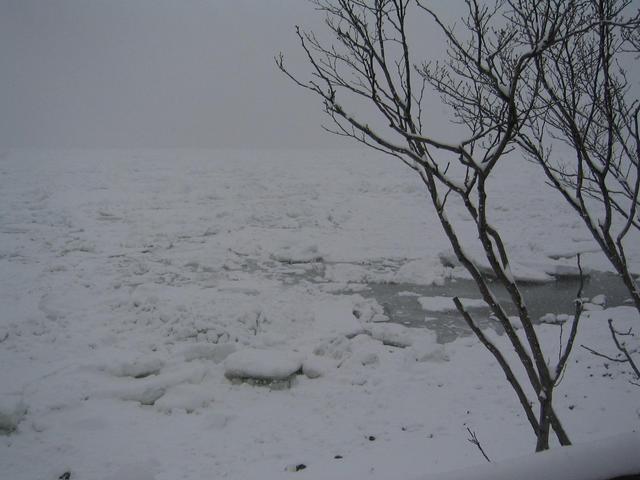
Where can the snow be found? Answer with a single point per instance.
(572, 250)
(422, 272)
(553, 319)
(184, 397)
(139, 368)
(315, 366)
(540, 271)
(426, 349)
(598, 460)
(135, 471)
(208, 351)
(392, 334)
(443, 304)
(262, 365)
(592, 307)
(132, 281)
(149, 389)
(504, 90)
(338, 317)
(12, 411)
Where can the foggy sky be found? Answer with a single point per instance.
(154, 73)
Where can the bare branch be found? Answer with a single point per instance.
(474, 440)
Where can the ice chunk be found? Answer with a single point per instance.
(571, 250)
(207, 351)
(408, 294)
(139, 368)
(369, 310)
(529, 272)
(553, 319)
(148, 390)
(293, 254)
(422, 272)
(367, 358)
(515, 322)
(185, 397)
(144, 394)
(592, 307)
(392, 334)
(138, 471)
(337, 348)
(365, 352)
(315, 366)
(12, 410)
(270, 365)
(272, 339)
(426, 349)
(337, 316)
(563, 317)
(347, 273)
(444, 304)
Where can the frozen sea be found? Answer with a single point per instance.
(128, 278)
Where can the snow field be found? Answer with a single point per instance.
(133, 282)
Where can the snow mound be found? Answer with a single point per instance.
(369, 310)
(262, 365)
(427, 349)
(365, 352)
(392, 334)
(338, 316)
(147, 391)
(207, 351)
(553, 319)
(596, 304)
(12, 410)
(315, 366)
(350, 273)
(139, 368)
(336, 348)
(293, 254)
(185, 397)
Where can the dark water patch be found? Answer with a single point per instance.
(400, 301)
(401, 305)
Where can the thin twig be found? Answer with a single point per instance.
(602, 355)
(622, 348)
(473, 438)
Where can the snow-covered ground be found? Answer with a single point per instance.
(138, 288)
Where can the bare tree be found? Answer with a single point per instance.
(583, 99)
(489, 60)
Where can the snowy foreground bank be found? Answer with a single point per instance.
(151, 299)
(603, 459)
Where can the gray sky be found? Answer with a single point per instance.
(154, 73)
